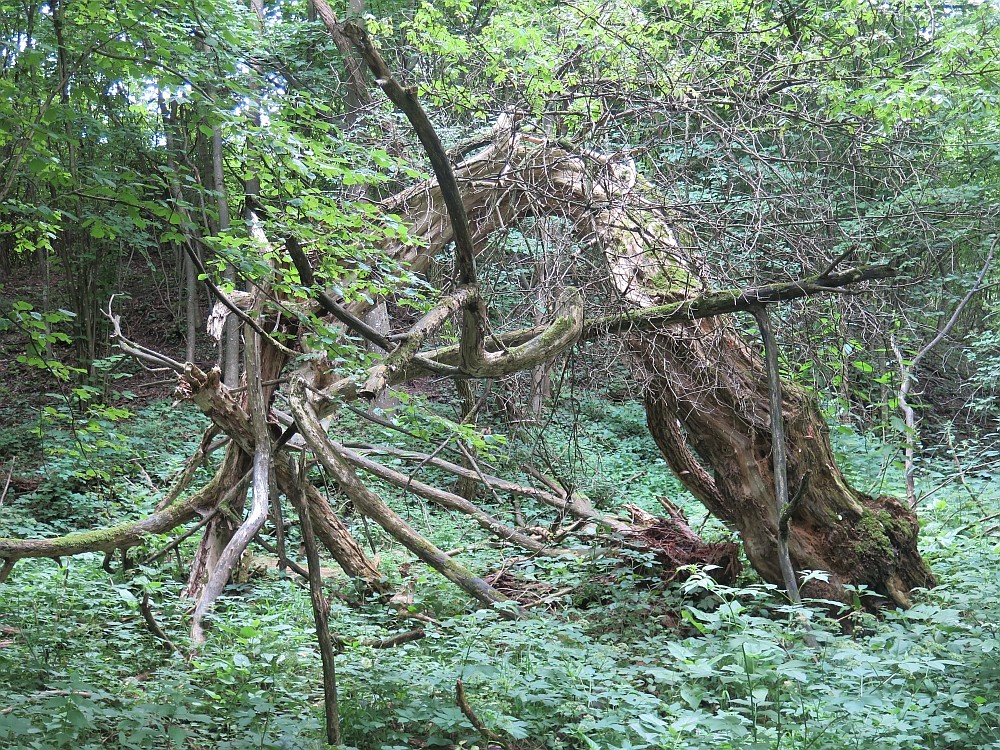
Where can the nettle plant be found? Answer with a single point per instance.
(41, 332)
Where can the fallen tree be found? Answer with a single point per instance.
(704, 387)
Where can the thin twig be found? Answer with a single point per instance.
(388, 642)
(153, 626)
(289, 563)
(978, 521)
(551, 597)
(176, 542)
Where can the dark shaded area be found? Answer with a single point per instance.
(676, 546)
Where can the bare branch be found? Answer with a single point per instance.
(230, 556)
(369, 503)
(406, 101)
(447, 500)
(141, 353)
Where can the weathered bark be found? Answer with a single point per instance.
(214, 399)
(321, 612)
(225, 564)
(122, 536)
(332, 532)
(219, 530)
(703, 378)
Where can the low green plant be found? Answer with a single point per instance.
(22, 442)
(619, 659)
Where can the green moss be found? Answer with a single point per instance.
(672, 279)
(560, 326)
(71, 544)
(873, 543)
(899, 529)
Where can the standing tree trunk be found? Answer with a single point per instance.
(192, 312)
(231, 335)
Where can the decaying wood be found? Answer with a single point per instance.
(705, 391)
(153, 626)
(463, 705)
(678, 549)
(369, 503)
(222, 571)
(390, 641)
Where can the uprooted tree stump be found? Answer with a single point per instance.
(679, 550)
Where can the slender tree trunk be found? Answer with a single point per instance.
(191, 312)
(231, 332)
(779, 456)
(321, 613)
(541, 387)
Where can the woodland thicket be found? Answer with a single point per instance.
(528, 375)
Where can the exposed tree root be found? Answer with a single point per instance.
(678, 548)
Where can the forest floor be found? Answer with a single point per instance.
(612, 655)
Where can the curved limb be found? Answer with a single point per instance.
(122, 536)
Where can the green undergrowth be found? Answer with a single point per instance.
(81, 466)
(615, 659)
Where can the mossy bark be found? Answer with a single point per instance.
(706, 395)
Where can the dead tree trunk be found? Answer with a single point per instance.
(705, 391)
(707, 409)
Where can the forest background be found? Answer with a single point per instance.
(560, 498)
